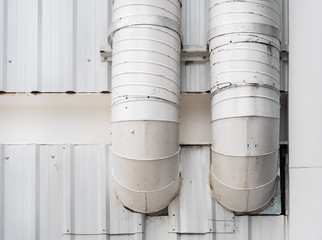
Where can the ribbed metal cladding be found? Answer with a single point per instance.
(244, 73)
(145, 102)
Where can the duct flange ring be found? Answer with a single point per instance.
(142, 20)
(258, 28)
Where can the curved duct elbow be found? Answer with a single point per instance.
(145, 101)
(244, 59)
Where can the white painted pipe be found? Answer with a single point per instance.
(145, 101)
(244, 58)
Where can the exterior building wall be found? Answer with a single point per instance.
(53, 47)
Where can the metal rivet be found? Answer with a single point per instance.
(105, 58)
(9, 61)
(132, 131)
(88, 60)
(52, 156)
(103, 230)
(7, 158)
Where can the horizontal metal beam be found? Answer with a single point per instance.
(188, 54)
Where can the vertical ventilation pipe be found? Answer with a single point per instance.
(145, 101)
(244, 58)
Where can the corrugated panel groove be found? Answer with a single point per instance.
(2, 191)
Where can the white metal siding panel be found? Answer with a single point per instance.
(18, 193)
(261, 227)
(3, 43)
(49, 189)
(195, 77)
(157, 229)
(194, 211)
(194, 23)
(84, 197)
(21, 44)
(53, 46)
(194, 27)
(90, 203)
(91, 33)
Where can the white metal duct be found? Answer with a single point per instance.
(244, 58)
(145, 100)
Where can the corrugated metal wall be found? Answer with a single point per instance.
(53, 46)
(65, 192)
(194, 27)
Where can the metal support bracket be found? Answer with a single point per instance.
(284, 53)
(188, 54)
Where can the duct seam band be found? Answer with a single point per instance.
(223, 86)
(141, 98)
(142, 20)
(157, 190)
(243, 84)
(258, 28)
(145, 85)
(258, 155)
(244, 71)
(245, 96)
(243, 116)
(151, 159)
(243, 188)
